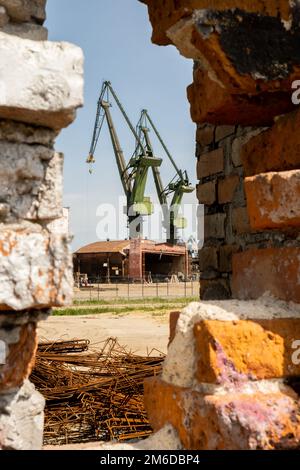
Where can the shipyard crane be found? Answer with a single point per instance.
(133, 174)
(179, 185)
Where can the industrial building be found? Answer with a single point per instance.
(136, 260)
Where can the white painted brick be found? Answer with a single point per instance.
(40, 82)
(22, 419)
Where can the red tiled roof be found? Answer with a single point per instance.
(117, 246)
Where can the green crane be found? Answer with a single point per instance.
(134, 174)
(179, 185)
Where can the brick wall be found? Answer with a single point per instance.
(220, 388)
(40, 88)
(247, 215)
(231, 374)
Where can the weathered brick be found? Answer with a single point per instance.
(43, 81)
(214, 226)
(235, 88)
(164, 16)
(206, 193)
(240, 220)
(276, 149)
(210, 163)
(22, 419)
(212, 27)
(4, 18)
(208, 258)
(205, 135)
(212, 103)
(238, 144)
(214, 289)
(227, 188)
(20, 133)
(235, 420)
(32, 181)
(231, 352)
(172, 325)
(21, 344)
(273, 270)
(224, 131)
(30, 31)
(35, 269)
(226, 253)
(273, 200)
(179, 366)
(23, 11)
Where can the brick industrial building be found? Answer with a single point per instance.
(131, 259)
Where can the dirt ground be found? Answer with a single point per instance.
(138, 332)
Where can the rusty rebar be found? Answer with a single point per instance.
(93, 394)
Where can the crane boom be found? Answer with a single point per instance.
(117, 149)
(155, 170)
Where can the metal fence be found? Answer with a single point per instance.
(128, 289)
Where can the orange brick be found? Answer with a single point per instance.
(210, 163)
(276, 149)
(273, 200)
(234, 421)
(227, 188)
(231, 352)
(212, 103)
(273, 270)
(165, 15)
(215, 52)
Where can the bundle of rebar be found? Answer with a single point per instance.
(93, 394)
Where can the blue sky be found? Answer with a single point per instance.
(115, 36)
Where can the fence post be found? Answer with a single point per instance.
(167, 288)
(143, 288)
(128, 288)
(156, 289)
(98, 291)
(185, 288)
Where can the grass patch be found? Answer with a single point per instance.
(115, 310)
(139, 301)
